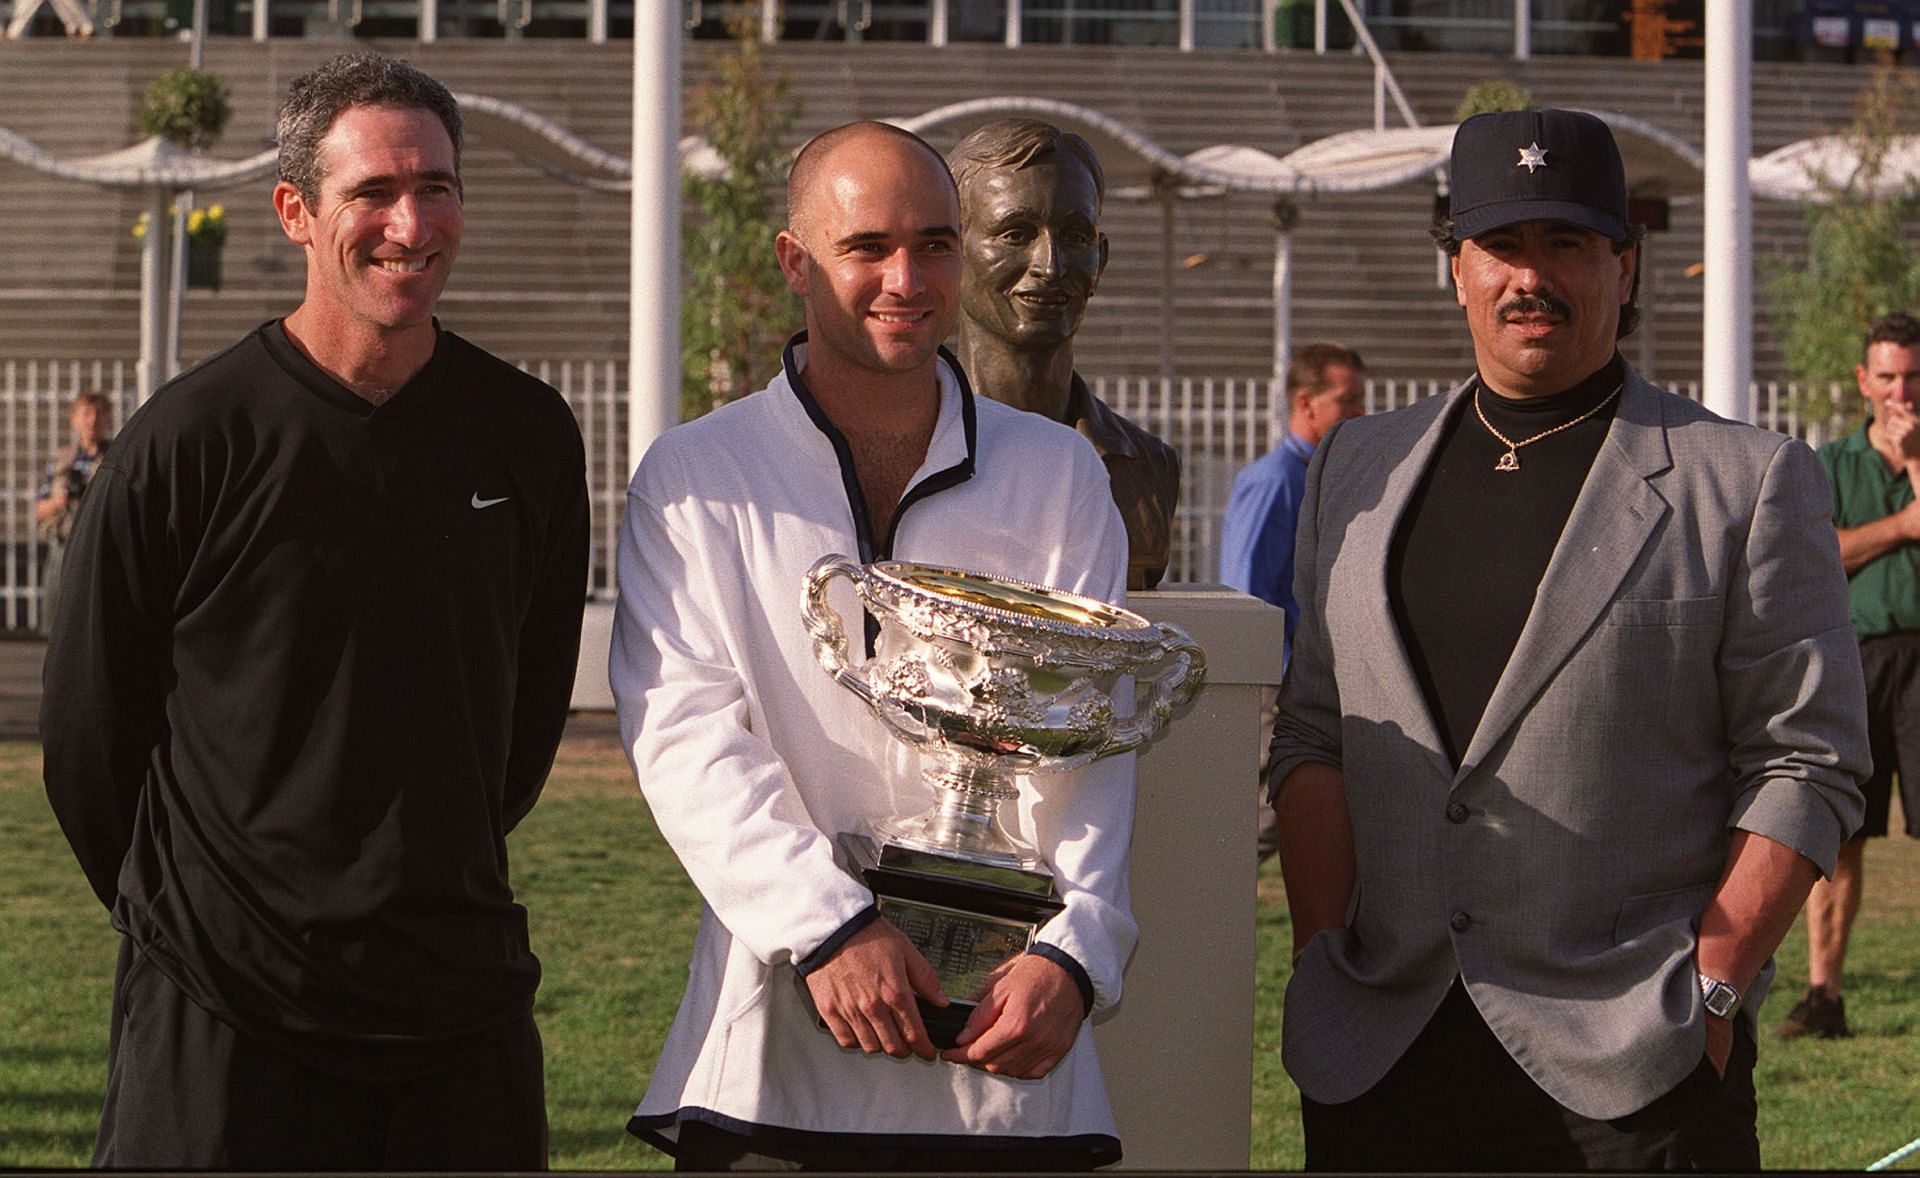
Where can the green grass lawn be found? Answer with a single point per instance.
(613, 920)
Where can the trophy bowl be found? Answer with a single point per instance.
(987, 677)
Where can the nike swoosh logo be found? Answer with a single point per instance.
(479, 503)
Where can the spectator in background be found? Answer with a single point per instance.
(58, 499)
(1871, 472)
(1326, 383)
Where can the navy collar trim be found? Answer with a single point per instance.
(873, 547)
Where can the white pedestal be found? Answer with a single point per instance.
(1178, 1050)
(591, 692)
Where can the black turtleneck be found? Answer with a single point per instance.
(1475, 541)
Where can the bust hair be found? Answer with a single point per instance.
(1016, 143)
(316, 99)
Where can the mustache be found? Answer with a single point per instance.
(1537, 304)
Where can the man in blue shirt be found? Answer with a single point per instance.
(1325, 385)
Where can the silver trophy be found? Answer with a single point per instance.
(987, 677)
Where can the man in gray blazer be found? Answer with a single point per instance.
(1571, 725)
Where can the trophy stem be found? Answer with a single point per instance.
(965, 820)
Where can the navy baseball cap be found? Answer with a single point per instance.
(1537, 165)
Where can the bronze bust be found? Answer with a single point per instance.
(1030, 200)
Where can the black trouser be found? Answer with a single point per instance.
(1457, 1101)
(1892, 666)
(186, 1091)
(706, 1147)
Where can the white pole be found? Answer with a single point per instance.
(597, 21)
(1320, 26)
(1727, 325)
(1186, 26)
(937, 21)
(653, 328)
(769, 21)
(1522, 29)
(1282, 302)
(259, 20)
(429, 21)
(1013, 24)
(153, 294)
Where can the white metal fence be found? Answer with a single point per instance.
(1218, 425)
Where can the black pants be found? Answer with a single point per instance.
(707, 1147)
(185, 1091)
(1892, 666)
(1456, 1101)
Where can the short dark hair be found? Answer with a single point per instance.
(1308, 367)
(316, 99)
(91, 397)
(1017, 142)
(1444, 239)
(1899, 328)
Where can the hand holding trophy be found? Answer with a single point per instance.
(987, 677)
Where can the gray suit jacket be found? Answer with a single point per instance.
(1687, 668)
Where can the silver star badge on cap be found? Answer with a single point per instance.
(1532, 156)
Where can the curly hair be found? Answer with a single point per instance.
(316, 99)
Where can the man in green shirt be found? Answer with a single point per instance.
(1873, 471)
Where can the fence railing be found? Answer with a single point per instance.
(1218, 424)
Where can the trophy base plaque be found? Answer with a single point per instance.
(966, 918)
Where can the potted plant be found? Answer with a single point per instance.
(186, 107)
(206, 237)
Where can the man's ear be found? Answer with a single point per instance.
(1101, 268)
(793, 261)
(295, 217)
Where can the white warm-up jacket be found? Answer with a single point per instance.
(753, 759)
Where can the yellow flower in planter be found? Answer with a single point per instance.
(208, 226)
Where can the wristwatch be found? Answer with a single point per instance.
(1720, 998)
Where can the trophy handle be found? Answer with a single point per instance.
(829, 635)
(1171, 689)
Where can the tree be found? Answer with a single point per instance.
(1859, 263)
(1492, 97)
(737, 310)
(187, 107)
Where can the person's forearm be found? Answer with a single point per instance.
(1761, 892)
(1316, 849)
(1862, 545)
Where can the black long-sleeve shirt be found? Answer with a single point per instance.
(312, 663)
(1469, 553)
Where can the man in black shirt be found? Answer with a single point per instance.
(1571, 724)
(311, 666)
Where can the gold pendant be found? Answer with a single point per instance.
(1508, 461)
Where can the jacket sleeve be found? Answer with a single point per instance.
(1794, 694)
(1307, 727)
(103, 703)
(1082, 820)
(550, 638)
(721, 795)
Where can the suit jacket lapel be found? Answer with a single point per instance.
(1611, 522)
(1371, 537)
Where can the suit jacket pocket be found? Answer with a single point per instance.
(1643, 913)
(1665, 611)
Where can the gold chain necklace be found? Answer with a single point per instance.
(1511, 459)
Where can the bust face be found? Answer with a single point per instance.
(1033, 252)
